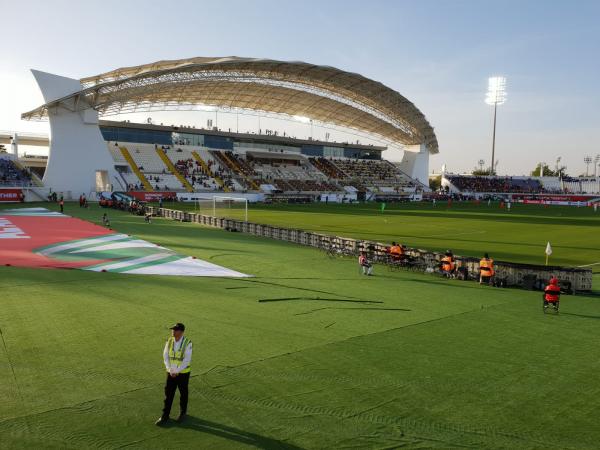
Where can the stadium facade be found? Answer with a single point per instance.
(78, 157)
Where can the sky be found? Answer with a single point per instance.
(438, 54)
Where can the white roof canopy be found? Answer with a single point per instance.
(321, 93)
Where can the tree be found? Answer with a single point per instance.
(435, 183)
(481, 172)
(548, 172)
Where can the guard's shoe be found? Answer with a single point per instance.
(181, 417)
(162, 420)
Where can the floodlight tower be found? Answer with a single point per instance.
(596, 162)
(587, 160)
(496, 95)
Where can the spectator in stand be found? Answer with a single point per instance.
(495, 184)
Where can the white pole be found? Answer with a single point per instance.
(214, 206)
(246, 210)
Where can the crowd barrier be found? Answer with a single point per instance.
(512, 274)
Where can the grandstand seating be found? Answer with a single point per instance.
(291, 174)
(196, 168)
(363, 174)
(12, 175)
(237, 169)
(495, 184)
(199, 169)
(588, 185)
(148, 169)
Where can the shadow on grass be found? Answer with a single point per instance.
(448, 283)
(585, 316)
(318, 299)
(233, 434)
(359, 308)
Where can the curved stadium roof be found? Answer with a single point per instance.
(321, 93)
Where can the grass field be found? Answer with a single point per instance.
(468, 229)
(308, 353)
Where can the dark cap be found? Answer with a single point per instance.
(178, 326)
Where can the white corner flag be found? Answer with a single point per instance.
(548, 251)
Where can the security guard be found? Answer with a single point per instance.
(177, 357)
(486, 269)
(447, 264)
(396, 252)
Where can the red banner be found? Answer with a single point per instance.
(10, 195)
(152, 196)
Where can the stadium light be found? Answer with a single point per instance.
(596, 162)
(496, 95)
(587, 160)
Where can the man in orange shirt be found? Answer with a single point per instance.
(396, 252)
(486, 269)
(447, 264)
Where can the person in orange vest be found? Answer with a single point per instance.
(367, 267)
(486, 269)
(552, 294)
(447, 264)
(396, 252)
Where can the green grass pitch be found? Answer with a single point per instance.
(519, 235)
(333, 360)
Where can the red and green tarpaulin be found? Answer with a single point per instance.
(37, 237)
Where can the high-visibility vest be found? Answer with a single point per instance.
(486, 267)
(448, 263)
(176, 357)
(552, 293)
(396, 250)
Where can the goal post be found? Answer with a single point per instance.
(223, 206)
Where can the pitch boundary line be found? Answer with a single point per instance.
(588, 265)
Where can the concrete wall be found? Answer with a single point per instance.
(77, 149)
(415, 163)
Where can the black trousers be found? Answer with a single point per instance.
(180, 382)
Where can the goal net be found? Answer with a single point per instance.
(223, 206)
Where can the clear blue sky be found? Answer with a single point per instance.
(437, 53)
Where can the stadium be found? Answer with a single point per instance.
(336, 297)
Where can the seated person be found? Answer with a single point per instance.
(396, 252)
(486, 269)
(552, 294)
(447, 264)
(367, 267)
